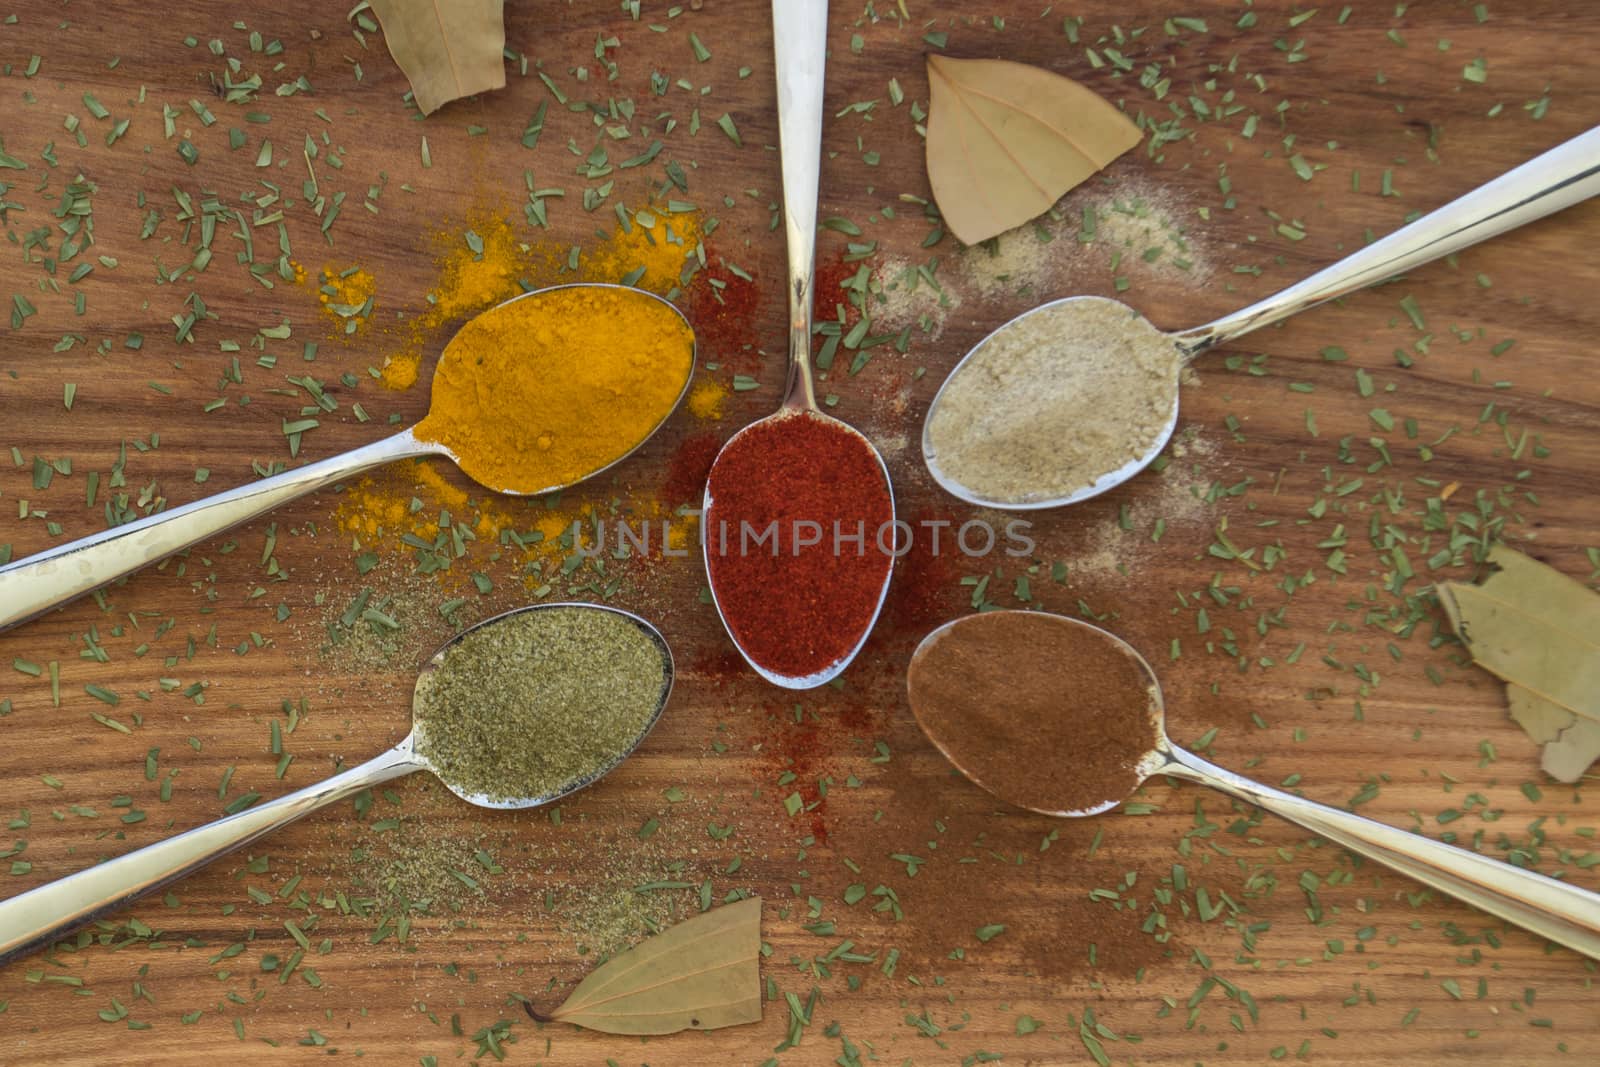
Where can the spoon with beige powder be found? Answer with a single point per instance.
(1061, 717)
(1078, 395)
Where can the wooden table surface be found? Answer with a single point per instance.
(1186, 929)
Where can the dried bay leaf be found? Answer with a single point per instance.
(1569, 756)
(702, 974)
(1570, 744)
(446, 48)
(1543, 720)
(1538, 630)
(1534, 627)
(1006, 140)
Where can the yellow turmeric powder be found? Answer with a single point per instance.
(705, 399)
(347, 296)
(651, 249)
(472, 276)
(480, 268)
(395, 508)
(545, 390)
(400, 369)
(485, 263)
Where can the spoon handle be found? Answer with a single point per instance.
(37, 918)
(800, 47)
(1553, 909)
(32, 586)
(1559, 178)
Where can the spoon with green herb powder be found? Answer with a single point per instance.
(1078, 395)
(520, 710)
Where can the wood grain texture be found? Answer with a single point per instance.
(1362, 965)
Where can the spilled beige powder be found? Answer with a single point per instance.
(1138, 234)
(908, 296)
(1142, 231)
(1176, 496)
(1030, 260)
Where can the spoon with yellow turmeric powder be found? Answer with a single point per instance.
(531, 396)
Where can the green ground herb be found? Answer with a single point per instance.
(538, 701)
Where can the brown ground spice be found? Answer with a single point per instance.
(1040, 710)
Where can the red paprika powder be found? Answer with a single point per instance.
(725, 308)
(799, 541)
(691, 462)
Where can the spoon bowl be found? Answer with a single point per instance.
(963, 727)
(546, 294)
(32, 586)
(38, 917)
(994, 768)
(1163, 394)
(483, 800)
(828, 673)
(1559, 178)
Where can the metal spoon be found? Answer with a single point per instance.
(1553, 909)
(800, 37)
(32, 586)
(1548, 183)
(39, 917)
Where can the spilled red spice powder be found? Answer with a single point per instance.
(924, 581)
(725, 310)
(718, 665)
(686, 473)
(796, 608)
(827, 290)
(797, 748)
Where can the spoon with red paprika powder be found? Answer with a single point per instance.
(1061, 717)
(798, 529)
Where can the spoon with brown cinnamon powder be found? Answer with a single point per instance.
(1061, 717)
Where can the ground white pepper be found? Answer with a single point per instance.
(1054, 402)
(540, 701)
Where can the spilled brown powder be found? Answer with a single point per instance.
(1041, 710)
(1054, 401)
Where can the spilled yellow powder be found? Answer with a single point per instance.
(388, 512)
(368, 513)
(646, 520)
(682, 532)
(705, 399)
(447, 496)
(551, 525)
(383, 508)
(379, 508)
(480, 266)
(660, 243)
(480, 262)
(400, 369)
(347, 296)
